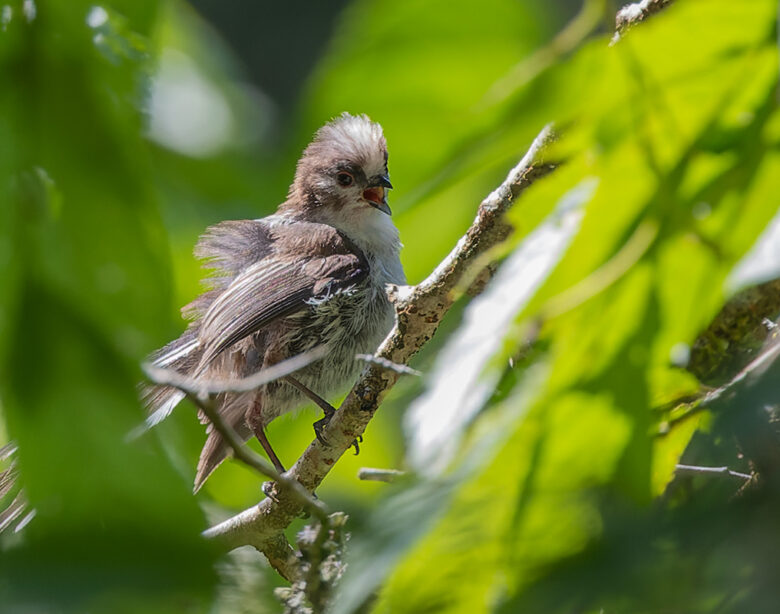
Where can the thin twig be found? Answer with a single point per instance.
(200, 386)
(632, 14)
(712, 398)
(760, 364)
(722, 471)
(247, 456)
(276, 549)
(371, 474)
(387, 364)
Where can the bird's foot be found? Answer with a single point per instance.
(356, 442)
(320, 425)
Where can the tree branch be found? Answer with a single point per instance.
(717, 471)
(282, 557)
(386, 364)
(632, 14)
(200, 387)
(370, 474)
(736, 335)
(419, 309)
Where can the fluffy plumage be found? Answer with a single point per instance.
(313, 274)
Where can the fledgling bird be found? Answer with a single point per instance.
(312, 274)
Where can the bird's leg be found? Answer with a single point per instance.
(326, 407)
(356, 442)
(263, 439)
(269, 488)
(255, 421)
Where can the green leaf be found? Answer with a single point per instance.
(85, 300)
(674, 129)
(466, 371)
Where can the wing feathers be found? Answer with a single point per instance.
(182, 355)
(257, 297)
(265, 270)
(311, 262)
(233, 245)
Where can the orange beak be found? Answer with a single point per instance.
(377, 197)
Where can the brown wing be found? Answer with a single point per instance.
(309, 262)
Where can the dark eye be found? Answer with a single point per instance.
(345, 178)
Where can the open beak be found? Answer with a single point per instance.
(376, 194)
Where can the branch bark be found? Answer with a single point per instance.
(736, 335)
(632, 14)
(282, 557)
(419, 310)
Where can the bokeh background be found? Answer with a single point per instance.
(129, 126)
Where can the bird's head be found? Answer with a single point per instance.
(342, 177)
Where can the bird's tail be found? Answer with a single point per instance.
(232, 408)
(185, 355)
(182, 355)
(14, 509)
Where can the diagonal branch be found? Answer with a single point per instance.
(383, 362)
(419, 309)
(371, 474)
(632, 14)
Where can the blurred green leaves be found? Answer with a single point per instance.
(84, 298)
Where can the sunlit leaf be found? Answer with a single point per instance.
(88, 297)
(459, 386)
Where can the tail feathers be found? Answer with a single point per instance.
(215, 450)
(8, 479)
(7, 451)
(16, 511)
(185, 355)
(164, 406)
(182, 355)
(14, 508)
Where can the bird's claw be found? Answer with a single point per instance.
(320, 425)
(356, 442)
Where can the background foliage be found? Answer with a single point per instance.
(547, 485)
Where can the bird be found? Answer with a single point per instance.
(312, 275)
